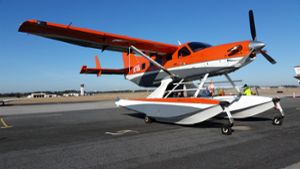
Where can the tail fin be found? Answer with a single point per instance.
(97, 62)
(98, 65)
(131, 61)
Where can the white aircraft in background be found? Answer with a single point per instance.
(4, 101)
(297, 70)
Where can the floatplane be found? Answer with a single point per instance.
(172, 69)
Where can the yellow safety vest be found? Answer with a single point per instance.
(247, 91)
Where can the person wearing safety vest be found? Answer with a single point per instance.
(247, 90)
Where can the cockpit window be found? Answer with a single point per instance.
(196, 46)
(183, 52)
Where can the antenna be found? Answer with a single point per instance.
(179, 43)
(69, 24)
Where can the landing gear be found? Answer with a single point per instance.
(226, 129)
(148, 120)
(278, 120)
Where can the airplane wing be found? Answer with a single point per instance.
(93, 39)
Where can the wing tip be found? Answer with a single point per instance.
(26, 24)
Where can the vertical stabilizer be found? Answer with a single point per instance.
(132, 62)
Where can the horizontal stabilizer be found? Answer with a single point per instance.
(98, 70)
(86, 70)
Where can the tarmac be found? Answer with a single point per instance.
(99, 135)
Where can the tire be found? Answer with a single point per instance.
(226, 130)
(277, 121)
(148, 120)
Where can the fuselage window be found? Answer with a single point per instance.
(143, 66)
(183, 52)
(196, 46)
(158, 60)
(168, 57)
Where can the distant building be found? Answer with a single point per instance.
(71, 94)
(41, 95)
(265, 87)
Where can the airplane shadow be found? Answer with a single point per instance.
(255, 119)
(205, 124)
(208, 124)
(136, 115)
(216, 122)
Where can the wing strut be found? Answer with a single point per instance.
(201, 85)
(232, 83)
(174, 88)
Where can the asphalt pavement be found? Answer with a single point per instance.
(98, 135)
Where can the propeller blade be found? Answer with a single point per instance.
(268, 57)
(252, 25)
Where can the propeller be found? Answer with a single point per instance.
(256, 46)
(252, 25)
(268, 57)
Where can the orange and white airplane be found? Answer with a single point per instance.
(171, 68)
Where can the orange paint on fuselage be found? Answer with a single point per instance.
(139, 64)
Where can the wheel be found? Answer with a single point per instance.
(148, 119)
(226, 130)
(277, 120)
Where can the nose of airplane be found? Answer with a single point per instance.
(256, 45)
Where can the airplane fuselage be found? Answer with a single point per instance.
(215, 60)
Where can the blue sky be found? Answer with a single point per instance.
(31, 63)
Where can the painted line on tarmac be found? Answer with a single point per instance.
(4, 124)
(241, 128)
(121, 132)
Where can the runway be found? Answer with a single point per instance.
(98, 135)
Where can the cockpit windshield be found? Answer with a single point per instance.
(196, 46)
